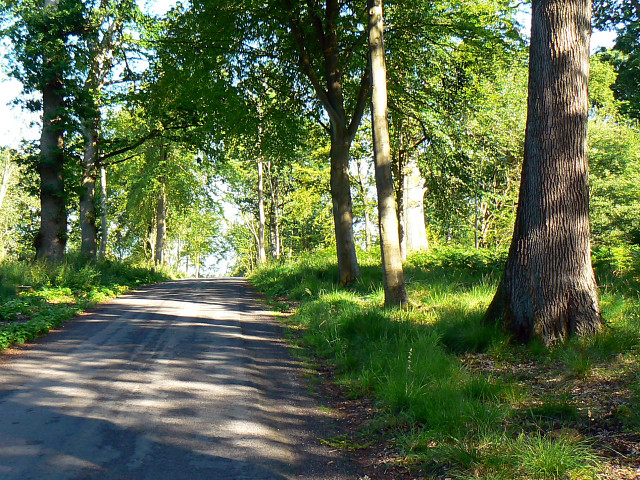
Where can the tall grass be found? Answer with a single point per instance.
(450, 419)
(37, 296)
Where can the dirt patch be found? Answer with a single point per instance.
(595, 402)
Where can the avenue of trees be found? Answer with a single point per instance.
(264, 130)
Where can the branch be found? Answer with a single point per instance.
(156, 132)
(305, 64)
(115, 162)
(152, 134)
(317, 22)
(361, 102)
(326, 127)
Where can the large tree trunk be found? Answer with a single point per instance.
(548, 289)
(343, 208)
(262, 253)
(104, 227)
(88, 228)
(395, 291)
(161, 224)
(52, 237)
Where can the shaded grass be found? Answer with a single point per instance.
(462, 399)
(36, 297)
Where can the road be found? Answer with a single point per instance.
(181, 380)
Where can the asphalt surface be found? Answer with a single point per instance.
(180, 380)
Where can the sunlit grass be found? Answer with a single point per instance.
(36, 297)
(451, 418)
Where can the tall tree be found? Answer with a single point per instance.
(395, 291)
(325, 50)
(103, 42)
(548, 289)
(51, 24)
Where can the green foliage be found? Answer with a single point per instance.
(614, 153)
(624, 17)
(471, 160)
(418, 364)
(36, 297)
(18, 207)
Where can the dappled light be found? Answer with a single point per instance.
(200, 379)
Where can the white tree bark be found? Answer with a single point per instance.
(415, 227)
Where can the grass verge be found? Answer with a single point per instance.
(36, 297)
(457, 397)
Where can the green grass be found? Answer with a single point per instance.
(460, 399)
(36, 297)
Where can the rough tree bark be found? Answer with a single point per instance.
(52, 237)
(395, 291)
(333, 57)
(548, 289)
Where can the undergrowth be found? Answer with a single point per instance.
(36, 297)
(460, 398)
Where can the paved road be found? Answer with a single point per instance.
(181, 380)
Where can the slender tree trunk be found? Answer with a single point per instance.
(548, 289)
(276, 222)
(475, 223)
(150, 242)
(400, 201)
(161, 224)
(367, 228)
(262, 254)
(275, 216)
(7, 172)
(395, 292)
(103, 205)
(88, 228)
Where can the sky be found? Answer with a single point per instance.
(17, 124)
